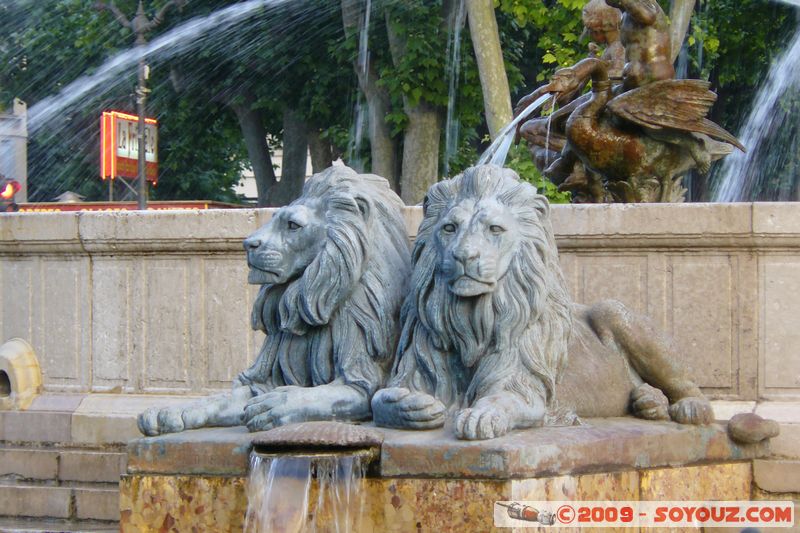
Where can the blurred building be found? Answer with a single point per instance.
(247, 185)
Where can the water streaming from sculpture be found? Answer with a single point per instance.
(360, 115)
(298, 493)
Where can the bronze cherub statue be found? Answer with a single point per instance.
(634, 141)
(546, 136)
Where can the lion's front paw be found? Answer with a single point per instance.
(482, 422)
(148, 422)
(649, 403)
(157, 420)
(692, 410)
(399, 407)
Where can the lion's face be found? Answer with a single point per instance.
(280, 251)
(477, 241)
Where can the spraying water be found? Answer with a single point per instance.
(549, 128)
(294, 493)
(171, 43)
(498, 151)
(360, 120)
(748, 176)
(452, 124)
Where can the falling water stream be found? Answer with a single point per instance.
(290, 493)
(452, 124)
(498, 151)
(744, 176)
(549, 127)
(360, 120)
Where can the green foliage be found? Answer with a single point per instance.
(551, 31)
(520, 161)
(733, 43)
(418, 66)
(295, 54)
(180, 150)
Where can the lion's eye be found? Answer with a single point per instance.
(294, 225)
(496, 229)
(449, 228)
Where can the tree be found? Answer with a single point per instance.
(271, 75)
(285, 75)
(494, 82)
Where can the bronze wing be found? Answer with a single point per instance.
(672, 104)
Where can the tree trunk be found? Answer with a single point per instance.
(420, 152)
(489, 54)
(320, 150)
(255, 138)
(383, 148)
(295, 159)
(680, 15)
(421, 137)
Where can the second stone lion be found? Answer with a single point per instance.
(490, 336)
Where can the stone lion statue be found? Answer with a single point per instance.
(489, 331)
(333, 268)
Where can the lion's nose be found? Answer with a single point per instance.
(252, 243)
(464, 254)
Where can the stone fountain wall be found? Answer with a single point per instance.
(158, 302)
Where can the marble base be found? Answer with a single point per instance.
(186, 503)
(429, 481)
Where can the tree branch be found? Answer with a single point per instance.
(159, 18)
(119, 15)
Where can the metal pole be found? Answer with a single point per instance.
(141, 98)
(140, 25)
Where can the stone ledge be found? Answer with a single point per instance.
(642, 225)
(601, 445)
(215, 451)
(777, 475)
(82, 419)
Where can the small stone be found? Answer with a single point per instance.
(751, 428)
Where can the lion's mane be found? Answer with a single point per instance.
(338, 320)
(459, 349)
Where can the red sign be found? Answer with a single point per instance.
(119, 146)
(48, 207)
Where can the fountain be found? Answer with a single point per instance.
(311, 459)
(306, 470)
